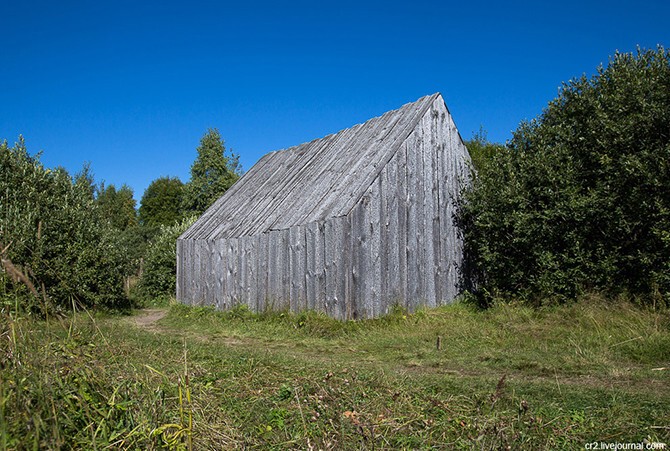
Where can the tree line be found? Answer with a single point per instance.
(66, 241)
(577, 201)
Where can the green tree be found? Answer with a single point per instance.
(117, 206)
(580, 198)
(161, 202)
(212, 173)
(55, 247)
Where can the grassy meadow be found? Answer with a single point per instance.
(510, 377)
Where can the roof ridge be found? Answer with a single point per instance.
(419, 100)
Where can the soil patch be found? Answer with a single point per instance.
(147, 319)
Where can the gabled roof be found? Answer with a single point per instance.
(313, 181)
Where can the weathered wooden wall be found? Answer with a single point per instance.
(397, 245)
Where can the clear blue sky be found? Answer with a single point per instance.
(132, 86)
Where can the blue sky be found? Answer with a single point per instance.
(132, 86)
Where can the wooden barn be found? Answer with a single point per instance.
(349, 224)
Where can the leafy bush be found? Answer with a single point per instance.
(56, 250)
(159, 278)
(579, 200)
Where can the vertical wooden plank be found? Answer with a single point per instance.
(320, 300)
(367, 272)
(293, 268)
(403, 219)
(188, 271)
(241, 278)
(252, 273)
(193, 271)
(394, 198)
(210, 274)
(274, 275)
(297, 276)
(438, 264)
(330, 270)
(202, 260)
(179, 295)
(217, 274)
(263, 259)
(446, 228)
(370, 248)
(180, 271)
(346, 273)
(427, 144)
(385, 196)
(413, 263)
(360, 255)
(230, 274)
(204, 280)
(374, 283)
(239, 271)
(335, 270)
(285, 267)
(311, 231)
(204, 275)
(302, 268)
(420, 244)
(196, 272)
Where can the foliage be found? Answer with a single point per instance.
(212, 173)
(580, 198)
(285, 381)
(116, 206)
(56, 248)
(481, 150)
(160, 270)
(161, 202)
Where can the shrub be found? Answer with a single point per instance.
(56, 250)
(579, 199)
(159, 277)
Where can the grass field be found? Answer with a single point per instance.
(510, 377)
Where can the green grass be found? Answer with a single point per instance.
(555, 377)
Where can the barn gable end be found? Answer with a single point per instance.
(349, 224)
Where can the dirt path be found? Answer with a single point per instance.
(147, 319)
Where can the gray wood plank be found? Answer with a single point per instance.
(274, 271)
(403, 220)
(413, 259)
(359, 256)
(426, 127)
(321, 298)
(298, 269)
(374, 288)
(311, 230)
(263, 272)
(285, 267)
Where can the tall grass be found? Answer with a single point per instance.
(510, 376)
(67, 385)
